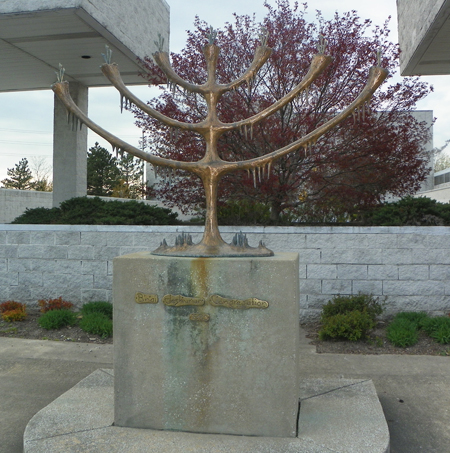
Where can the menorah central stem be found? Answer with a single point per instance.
(211, 235)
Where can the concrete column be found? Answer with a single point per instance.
(69, 149)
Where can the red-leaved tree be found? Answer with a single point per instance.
(378, 152)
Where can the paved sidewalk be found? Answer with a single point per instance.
(414, 390)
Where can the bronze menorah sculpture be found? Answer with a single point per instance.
(211, 168)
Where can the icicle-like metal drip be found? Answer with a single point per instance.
(254, 177)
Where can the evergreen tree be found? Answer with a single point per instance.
(102, 172)
(19, 177)
(131, 172)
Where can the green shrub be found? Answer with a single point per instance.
(43, 216)
(95, 211)
(105, 308)
(352, 325)
(340, 305)
(97, 324)
(441, 334)
(55, 319)
(402, 332)
(417, 318)
(438, 328)
(54, 304)
(408, 211)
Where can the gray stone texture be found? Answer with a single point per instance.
(413, 271)
(236, 374)
(337, 415)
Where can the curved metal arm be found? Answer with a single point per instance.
(162, 60)
(376, 78)
(111, 72)
(262, 54)
(318, 64)
(61, 89)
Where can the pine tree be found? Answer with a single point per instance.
(102, 172)
(131, 172)
(19, 177)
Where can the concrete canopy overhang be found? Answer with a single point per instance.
(424, 36)
(35, 36)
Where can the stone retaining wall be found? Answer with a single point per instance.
(410, 266)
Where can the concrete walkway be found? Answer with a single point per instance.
(414, 390)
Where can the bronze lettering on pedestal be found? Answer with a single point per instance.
(182, 301)
(253, 302)
(203, 317)
(141, 298)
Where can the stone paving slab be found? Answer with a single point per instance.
(336, 416)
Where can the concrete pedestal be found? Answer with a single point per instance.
(207, 345)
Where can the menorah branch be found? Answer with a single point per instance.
(262, 54)
(318, 64)
(112, 73)
(162, 60)
(376, 77)
(61, 89)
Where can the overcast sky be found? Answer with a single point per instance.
(26, 130)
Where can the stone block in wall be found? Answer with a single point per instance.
(398, 256)
(19, 265)
(19, 294)
(412, 240)
(94, 267)
(90, 295)
(352, 256)
(69, 281)
(50, 292)
(316, 301)
(382, 272)
(30, 279)
(302, 271)
(106, 253)
(42, 237)
(432, 256)
(8, 251)
(42, 251)
(310, 256)
(395, 304)
(3, 266)
(67, 238)
(413, 288)
(441, 241)
(374, 287)
(336, 287)
(439, 272)
(18, 237)
(120, 239)
(382, 241)
(310, 286)
(93, 238)
(2, 237)
(280, 242)
(102, 281)
(414, 272)
(352, 271)
(321, 271)
(336, 240)
(9, 278)
(129, 250)
(80, 252)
